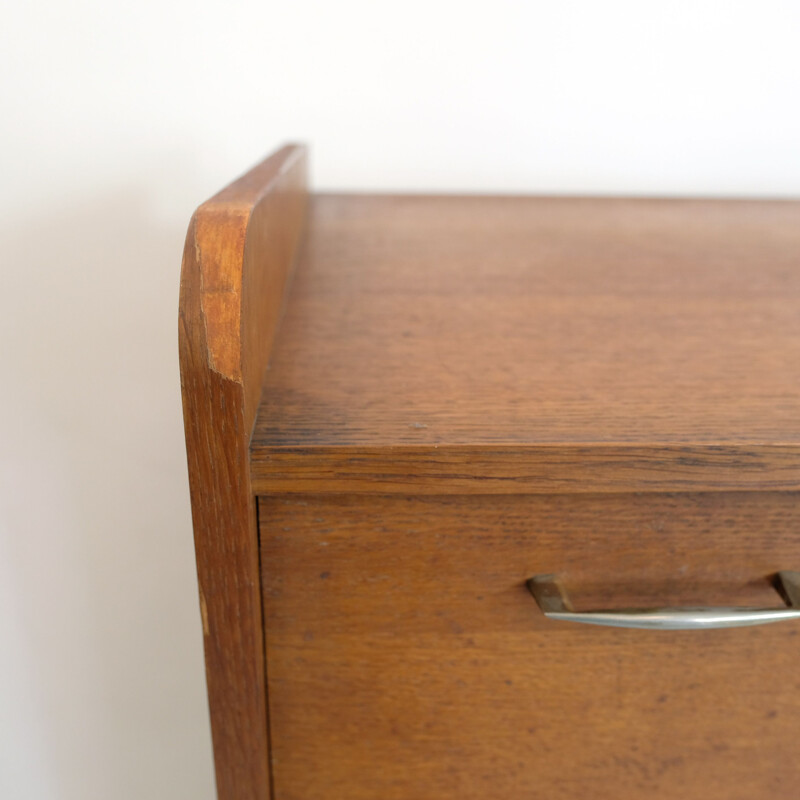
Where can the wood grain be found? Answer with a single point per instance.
(638, 344)
(515, 469)
(406, 658)
(239, 252)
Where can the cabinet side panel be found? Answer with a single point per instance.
(240, 243)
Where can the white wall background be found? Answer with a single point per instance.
(116, 119)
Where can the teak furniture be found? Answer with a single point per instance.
(418, 425)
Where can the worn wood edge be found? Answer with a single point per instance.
(243, 239)
(514, 469)
(220, 227)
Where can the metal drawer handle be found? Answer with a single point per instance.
(555, 604)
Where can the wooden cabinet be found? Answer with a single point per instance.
(401, 408)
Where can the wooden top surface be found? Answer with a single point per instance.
(436, 322)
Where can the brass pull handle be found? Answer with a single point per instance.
(555, 604)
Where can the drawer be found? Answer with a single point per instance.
(406, 658)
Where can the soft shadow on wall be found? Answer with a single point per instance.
(102, 644)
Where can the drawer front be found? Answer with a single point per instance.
(406, 658)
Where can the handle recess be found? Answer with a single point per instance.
(555, 604)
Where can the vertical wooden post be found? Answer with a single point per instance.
(239, 253)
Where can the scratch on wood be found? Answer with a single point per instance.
(204, 612)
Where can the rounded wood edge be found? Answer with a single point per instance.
(212, 276)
